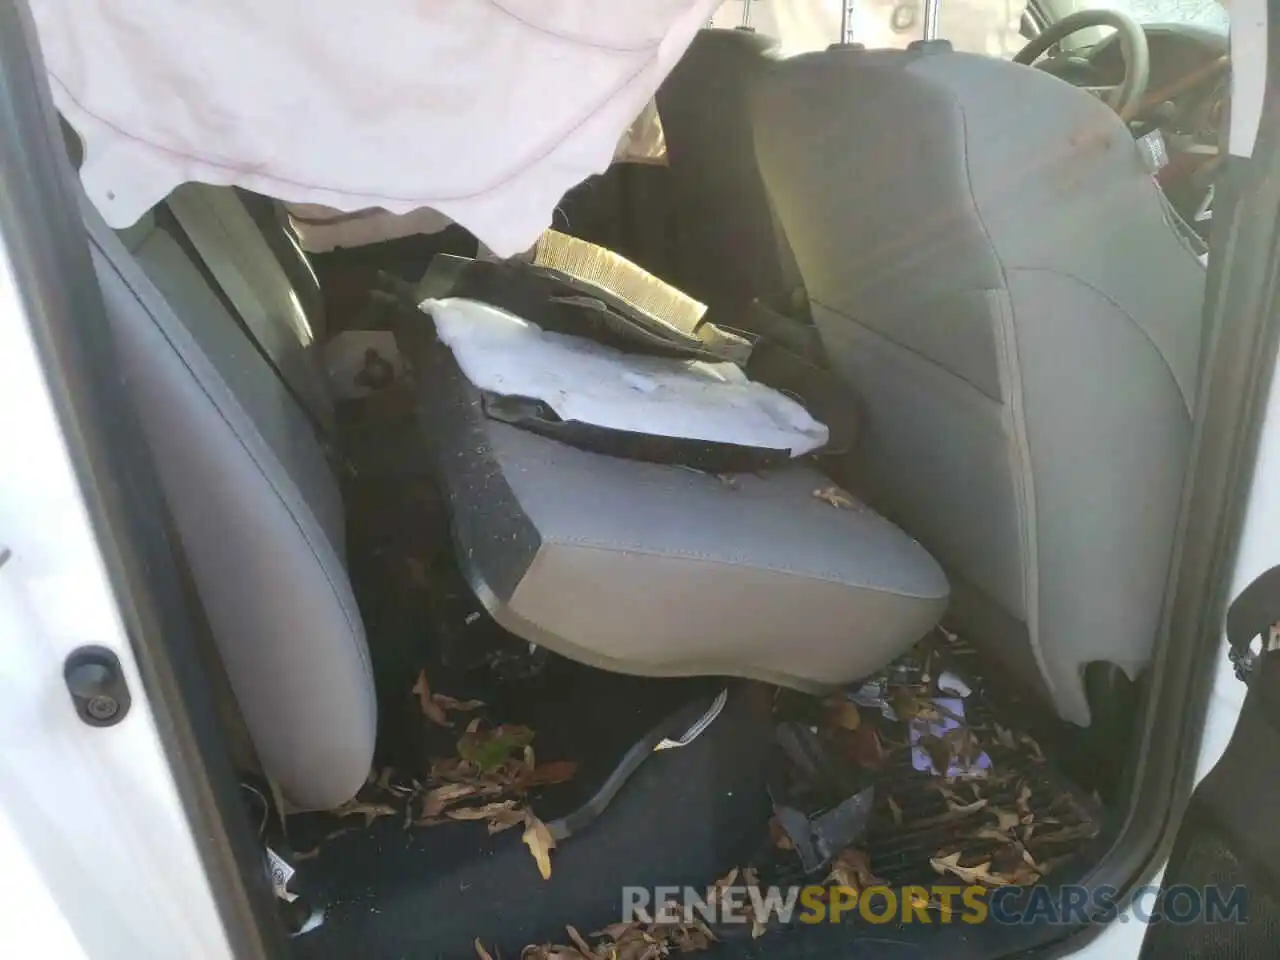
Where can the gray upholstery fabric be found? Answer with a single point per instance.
(990, 262)
(666, 571)
(257, 510)
(249, 270)
(731, 248)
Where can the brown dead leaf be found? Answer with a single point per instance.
(435, 801)
(482, 812)
(1024, 804)
(454, 769)
(578, 942)
(852, 868)
(546, 774)
(979, 873)
(370, 811)
(836, 497)
(1082, 831)
(430, 709)
(481, 952)
(866, 750)
(721, 887)
(462, 706)
(895, 811)
(1037, 755)
(909, 707)
(505, 819)
(552, 951)
(616, 931)
(1004, 736)
(963, 809)
(540, 843)
(1006, 820)
(842, 714)
(939, 752)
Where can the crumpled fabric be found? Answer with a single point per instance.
(485, 111)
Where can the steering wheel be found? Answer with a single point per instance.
(1125, 98)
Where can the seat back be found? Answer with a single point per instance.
(255, 505)
(731, 247)
(989, 261)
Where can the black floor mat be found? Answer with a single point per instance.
(920, 818)
(1021, 782)
(390, 892)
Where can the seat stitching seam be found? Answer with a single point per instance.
(1186, 401)
(819, 576)
(1025, 476)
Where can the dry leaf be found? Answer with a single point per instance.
(1083, 831)
(842, 714)
(480, 813)
(430, 709)
(966, 808)
(616, 931)
(721, 886)
(1006, 820)
(836, 497)
(546, 774)
(463, 706)
(481, 952)
(852, 869)
(370, 811)
(895, 811)
(980, 873)
(1004, 736)
(540, 843)
(505, 819)
(1037, 755)
(578, 942)
(435, 801)
(1024, 804)
(866, 750)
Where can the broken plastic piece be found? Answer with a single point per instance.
(950, 682)
(819, 837)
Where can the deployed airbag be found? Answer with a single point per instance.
(484, 110)
(592, 383)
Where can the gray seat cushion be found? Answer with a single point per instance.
(257, 511)
(992, 265)
(659, 570)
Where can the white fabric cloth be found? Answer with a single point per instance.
(592, 383)
(321, 229)
(486, 111)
